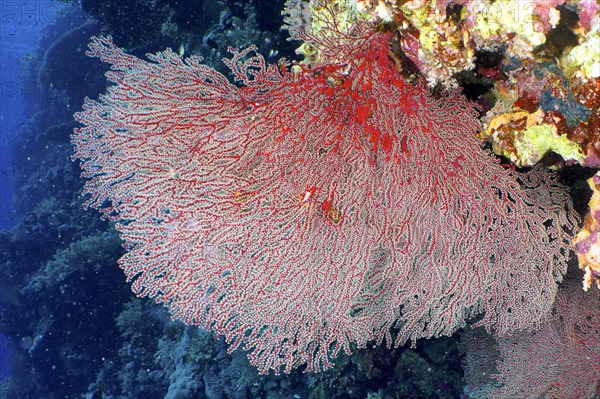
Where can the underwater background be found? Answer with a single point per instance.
(70, 327)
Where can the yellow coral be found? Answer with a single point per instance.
(497, 18)
(584, 60)
(587, 241)
(538, 140)
(445, 45)
(384, 10)
(521, 137)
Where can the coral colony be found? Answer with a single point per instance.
(307, 209)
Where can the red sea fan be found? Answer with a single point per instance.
(310, 210)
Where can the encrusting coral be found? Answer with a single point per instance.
(587, 240)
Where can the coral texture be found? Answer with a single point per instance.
(558, 361)
(587, 241)
(301, 212)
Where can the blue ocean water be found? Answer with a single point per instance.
(21, 28)
(3, 357)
